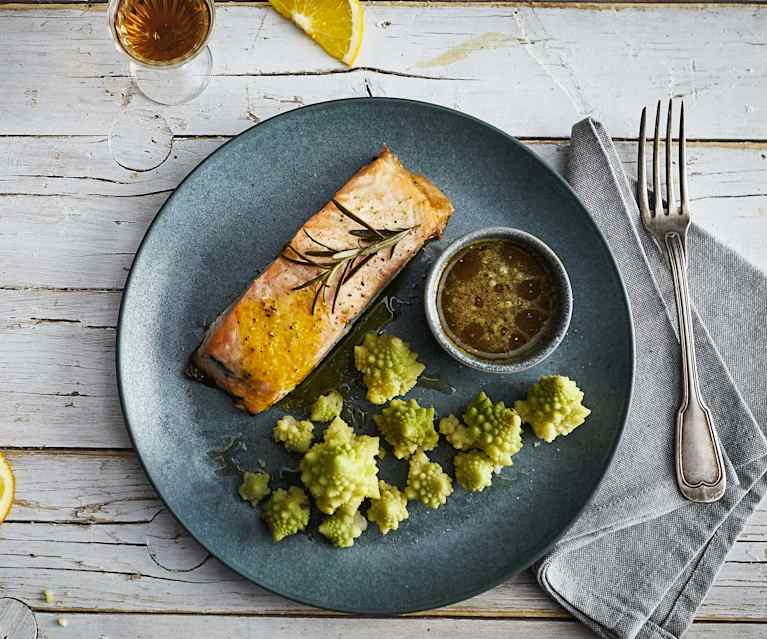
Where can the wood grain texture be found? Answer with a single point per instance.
(133, 568)
(95, 487)
(93, 532)
(603, 4)
(108, 487)
(64, 76)
(72, 218)
(160, 627)
(86, 524)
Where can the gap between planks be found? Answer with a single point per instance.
(234, 627)
(724, 143)
(596, 5)
(312, 615)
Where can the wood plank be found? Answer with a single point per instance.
(750, 551)
(74, 402)
(606, 5)
(84, 232)
(216, 627)
(83, 167)
(103, 487)
(117, 567)
(155, 566)
(132, 554)
(116, 626)
(81, 487)
(564, 61)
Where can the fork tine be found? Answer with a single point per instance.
(684, 210)
(670, 199)
(644, 204)
(656, 185)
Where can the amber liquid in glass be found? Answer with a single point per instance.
(162, 32)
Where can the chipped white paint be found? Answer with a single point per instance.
(89, 526)
(137, 559)
(536, 40)
(83, 215)
(153, 627)
(115, 567)
(547, 66)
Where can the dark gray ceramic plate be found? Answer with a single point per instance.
(229, 218)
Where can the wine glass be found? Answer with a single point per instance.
(166, 42)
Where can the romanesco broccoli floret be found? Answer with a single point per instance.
(286, 512)
(344, 525)
(254, 487)
(388, 366)
(389, 509)
(553, 407)
(296, 435)
(327, 407)
(473, 470)
(499, 429)
(457, 434)
(427, 482)
(342, 468)
(407, 426)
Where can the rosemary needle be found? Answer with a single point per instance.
(342, 264)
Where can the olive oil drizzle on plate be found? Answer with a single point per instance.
(337, 369)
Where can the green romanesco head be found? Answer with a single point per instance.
(388, 366)
(473, 470)
(407, 426)
(499, 429)
(254, 487)
(342, 468)
(389, 509)
(457, 434)
(427, 482)
(286, 512)
(296, 435)
(344, 525)
(327, 407)
(553, 407)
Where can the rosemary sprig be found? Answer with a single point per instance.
(340, 265)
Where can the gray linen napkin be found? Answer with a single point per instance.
(640, 558)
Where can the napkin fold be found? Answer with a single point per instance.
(639, 560)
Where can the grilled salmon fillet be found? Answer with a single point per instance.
(266, 342)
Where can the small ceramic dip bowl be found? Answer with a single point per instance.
(498, 300)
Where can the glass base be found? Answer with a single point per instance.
(177, 84)
(140, 140)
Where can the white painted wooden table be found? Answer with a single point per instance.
(86, 524)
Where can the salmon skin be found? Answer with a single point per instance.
(269, 339)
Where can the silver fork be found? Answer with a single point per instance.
(699, 466)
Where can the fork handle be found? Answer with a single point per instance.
(699, 464)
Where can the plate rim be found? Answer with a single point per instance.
(437, 602)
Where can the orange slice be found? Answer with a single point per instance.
(7, 488)
(336, 25)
